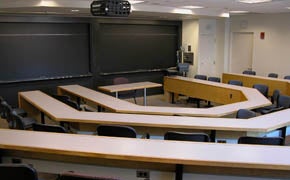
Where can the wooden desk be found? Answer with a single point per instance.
(254, 160)
(130, 86)
(35, 102)
(253, 99)
(249, 80)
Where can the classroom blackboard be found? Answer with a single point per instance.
(136, 47)
(35, 51)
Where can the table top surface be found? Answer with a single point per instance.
(62, 112)
(254, 100)
(129, 86)
(148, 150)
(249, 80)
(258, 77)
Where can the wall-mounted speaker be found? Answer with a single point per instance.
(110, 8)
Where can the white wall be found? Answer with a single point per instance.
(190, 37)
(196, 32)
(273, 53)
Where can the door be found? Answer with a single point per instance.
(241, 52)
(207, 55)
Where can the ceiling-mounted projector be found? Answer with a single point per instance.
(110, 8)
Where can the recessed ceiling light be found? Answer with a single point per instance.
(254, 1)
(75, 10)
(47, 3)
(225, 14)
(135, 2)
(181, 11)
(238, 12)
(192, 7)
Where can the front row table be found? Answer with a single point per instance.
(238, 159)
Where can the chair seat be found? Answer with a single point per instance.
(28, 122)
(20, 112)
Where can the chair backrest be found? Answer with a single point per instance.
(182, 136)
(214, 79)
(120, 80)
(249, 72)
(275, 96)
(116, 130)
(16, 121)
(182, 67)
(78, 176)
(273, 75)
(125, 94)
(261, 140)
(262, 88)
(48, 128)
(283, 101)
(17, 171)
(287, 77)
(245, 114)
(2, 108)
(62, 98)
(200, 76)
(73, 104)
(235, 82)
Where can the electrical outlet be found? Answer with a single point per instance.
(222, 141)
(143, 174)
(16, 160)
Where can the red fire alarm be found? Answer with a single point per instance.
(262, 35)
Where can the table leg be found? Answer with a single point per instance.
(144, 97)
(212, 135)
(178, 171)
(283, 132)
(42, 118)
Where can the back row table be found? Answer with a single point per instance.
(249, 80)
(130, 86)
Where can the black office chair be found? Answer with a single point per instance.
(19, 122)
(262, 88)
(200, 76)
(48, 128)
(80, 176)
(287, 77)
(273, 75)
(7, 109)
(116, 130)
(245, 114)
(62, 98)
(182, 68)
(235, 82)
(73, 104)
(2, 109)
(17, 171)
(283, 102)
(261, 140)
(274, 100)
(249, 72)
(125, 94)
(213, 79)
(182, 136)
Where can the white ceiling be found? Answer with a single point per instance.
(160, 9)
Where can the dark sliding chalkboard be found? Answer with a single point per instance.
(35, 51)
(131, 47)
